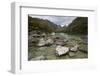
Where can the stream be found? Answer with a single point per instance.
(48, 52)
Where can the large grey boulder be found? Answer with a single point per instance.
(60, 50)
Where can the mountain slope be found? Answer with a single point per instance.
(78, 26)
(41, 25)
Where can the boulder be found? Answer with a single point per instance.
(59, 42)
(49, 41)
(74, 49)
(71, 54)
(41, 42)
(53, 33)
(61, 50)
(83, 48)
(43, 35)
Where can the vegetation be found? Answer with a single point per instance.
(78, 26)
(41, 25)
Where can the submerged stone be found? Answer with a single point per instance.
(83, 48)
(71, 54)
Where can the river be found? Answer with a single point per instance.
(48, 52)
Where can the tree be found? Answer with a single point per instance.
(78, 26)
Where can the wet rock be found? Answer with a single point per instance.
(41, 42)
(83, 48)
(53, 33)
(65, 40)
(43, 35)
(71, 54)
(49, 41)
(61, 50)
(60, 42)
(74, 49)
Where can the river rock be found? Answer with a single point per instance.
(59, 42)
(53, 33)
(43, 35)
(60, 50)
(41, 42)
(74, 49)
(71, 54)
(83, 48)
(49, 41)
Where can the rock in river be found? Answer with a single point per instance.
(41, 42)
(71, 54)
(74, 49)
(61, 50)
(49, 41)
(83, 48)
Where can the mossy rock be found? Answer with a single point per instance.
(83, 48)
(72, 54)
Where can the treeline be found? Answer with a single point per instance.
(78, 26)
(41, 25)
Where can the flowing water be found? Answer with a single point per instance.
(48, 52)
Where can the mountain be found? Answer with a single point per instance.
(41, 25)
(78, 26)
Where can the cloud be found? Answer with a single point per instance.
(59, 20)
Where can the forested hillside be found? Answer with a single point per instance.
(41, 25)
(78, 26)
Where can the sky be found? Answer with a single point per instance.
(59, 20)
